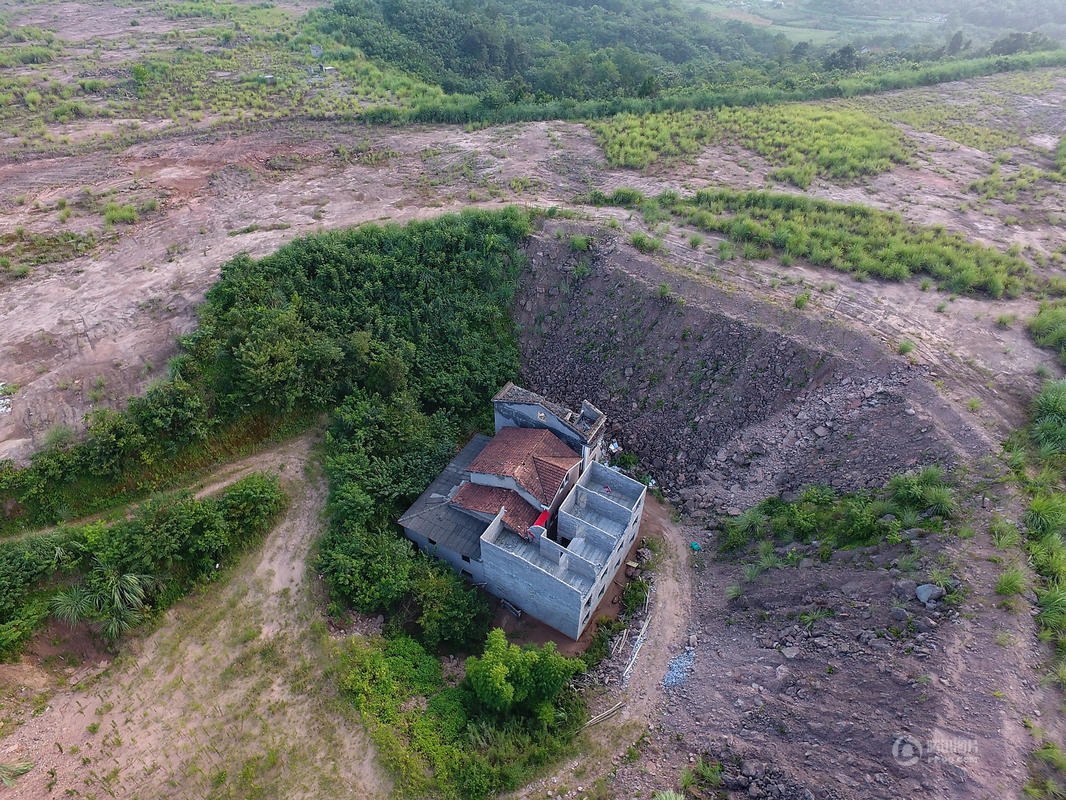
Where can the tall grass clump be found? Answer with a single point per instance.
(1048, 327)
(851, 238)
(909, 499)
(1046, 514)
(1011, 581)
(1048, 430)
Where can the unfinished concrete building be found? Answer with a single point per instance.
(530, 514)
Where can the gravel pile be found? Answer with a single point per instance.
(679, 669)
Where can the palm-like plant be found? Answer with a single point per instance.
(9, 772)
(115, 599)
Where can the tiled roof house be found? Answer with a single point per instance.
(530, 514)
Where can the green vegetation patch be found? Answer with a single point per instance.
(804, 141)
(1048, 327)
(910, 499)
(850, 238)
(1037, 461)
(115, 575)
(512, 714)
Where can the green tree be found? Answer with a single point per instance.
(114, 599)
(368, 569)
(508, 679)
(449, 609)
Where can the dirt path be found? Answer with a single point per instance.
(671, 612)
(602, 746)
(228, 697)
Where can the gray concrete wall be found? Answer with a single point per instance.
(556, 552)
(571, 527)
(531, 589)
(476, 569)
(601, 505)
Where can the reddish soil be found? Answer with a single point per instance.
(224, 681)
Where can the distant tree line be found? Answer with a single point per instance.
(521, 52)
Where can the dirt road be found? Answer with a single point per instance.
(601, 747)
(228, 697)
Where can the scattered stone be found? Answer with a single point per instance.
(923, 624)
(905, 589)
(899, 614)
(928, 592)
(790, 652)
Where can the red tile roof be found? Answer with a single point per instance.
(518, 516)
(536, 458)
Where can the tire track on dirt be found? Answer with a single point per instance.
(228, 696)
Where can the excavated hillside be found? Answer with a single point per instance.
(726, 400)
(812, 679)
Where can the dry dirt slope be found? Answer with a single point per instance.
(813, 673)
(88, 332)
(230, 696)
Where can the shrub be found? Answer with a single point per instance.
(1004, 534)
(1046, 514)
(635, 595)
(802, 299)
(1048, 327)
(114, 213)
(645, 243)
(1052, 602)
(1048, 429)
(906, 347)
(1011, 581)
(940, 500)
(743, 529)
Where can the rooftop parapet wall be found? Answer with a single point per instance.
(623, 491)
(571, 527)
(596, 510)
(534, 589)
(573, 559)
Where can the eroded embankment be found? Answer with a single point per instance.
(803, 678)
(726, 400)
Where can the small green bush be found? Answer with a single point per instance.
(114, 213)
(645, 243)
(1046, 514)
(1011, 581)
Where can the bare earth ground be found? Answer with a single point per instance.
(89, 332)
(226, 697)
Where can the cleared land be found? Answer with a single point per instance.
(112, 245)
(208, 703)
